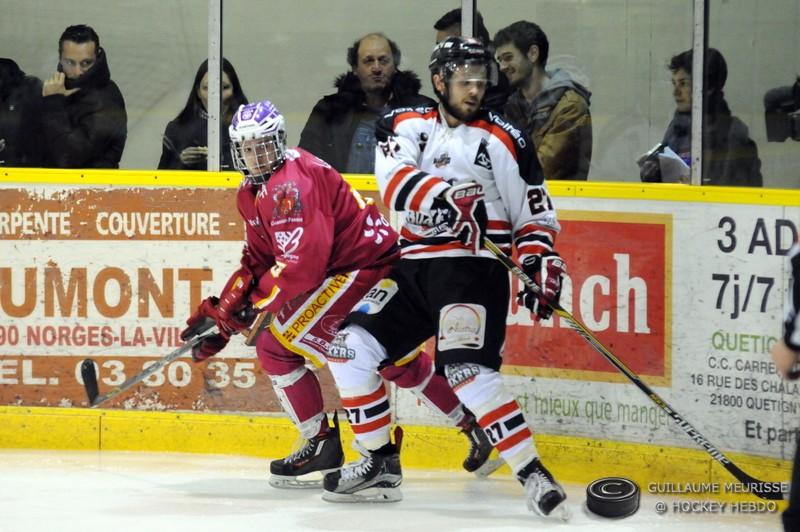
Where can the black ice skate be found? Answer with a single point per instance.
(477, 460)
(321, 454)
(542, 493)
(374, 478)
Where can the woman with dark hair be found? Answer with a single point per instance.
(185, 139)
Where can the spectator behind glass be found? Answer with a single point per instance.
(341, 127)
(19, 116)
(84, 120)
(449, 25)
(549, 106)
(185, 139)
(730, 156)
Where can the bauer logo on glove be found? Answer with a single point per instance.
(467, 216)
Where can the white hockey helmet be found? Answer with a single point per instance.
(258, 140)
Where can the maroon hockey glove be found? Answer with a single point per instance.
(467, 217)
(203, 318)
(547, 270)
(208, 347)
(231, 314)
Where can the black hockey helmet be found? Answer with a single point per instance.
(453, 52)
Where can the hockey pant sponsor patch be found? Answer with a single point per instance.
(307, 324)
(377, 297)
(461, 326)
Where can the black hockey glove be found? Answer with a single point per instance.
(547, 271)
(467, 213)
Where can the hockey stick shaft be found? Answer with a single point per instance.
(765, 490)
(90, 376)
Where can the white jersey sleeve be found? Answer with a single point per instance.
(401, 137)
(520, 184)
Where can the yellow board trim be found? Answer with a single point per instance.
(365, 182)
(573, 459)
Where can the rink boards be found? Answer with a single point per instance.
(685, 285)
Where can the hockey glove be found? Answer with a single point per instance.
(467, 213)
(232, 315)
(204, 318)
(547, 271)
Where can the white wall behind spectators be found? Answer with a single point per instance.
(290, 51)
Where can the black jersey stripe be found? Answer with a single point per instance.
(406, 188)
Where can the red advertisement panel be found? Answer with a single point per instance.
(619, 287)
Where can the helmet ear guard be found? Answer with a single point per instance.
(258, 136)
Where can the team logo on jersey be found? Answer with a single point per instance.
(482, 157)
(287, 201)
(389, 147)
(377, 297)
(461, 326)
(442, 160)
(377, 229)
(423, 141)
(288, 241)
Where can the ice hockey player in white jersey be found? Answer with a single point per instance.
(457, 173)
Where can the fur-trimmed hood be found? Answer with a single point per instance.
(404, 91)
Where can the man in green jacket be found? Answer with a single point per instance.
(549, 105)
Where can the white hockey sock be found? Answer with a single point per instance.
(481, 390)
(361, 389)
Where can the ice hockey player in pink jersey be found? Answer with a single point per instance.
(313, 248)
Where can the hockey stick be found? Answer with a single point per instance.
(765, 490)
(89, 373)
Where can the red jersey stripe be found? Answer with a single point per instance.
(419, 196)
(497, 132)
(395, 182)
(412, 114)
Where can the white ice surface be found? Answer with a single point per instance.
(90, 491)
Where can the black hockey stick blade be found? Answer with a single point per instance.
(89, 375)
(765, 490)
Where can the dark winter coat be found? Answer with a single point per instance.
(193, 132)
(559, 123)
(730, 156)
(20, 115)
(87, 129)
(334, 119)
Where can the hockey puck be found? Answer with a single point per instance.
(613, 497)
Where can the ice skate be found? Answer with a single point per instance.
(374, 478)
(318, 456)
(543, 494)
(477, 460)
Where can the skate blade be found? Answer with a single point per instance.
(489, 466)
(561, 512)
(311, 480)
(368, 495)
